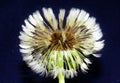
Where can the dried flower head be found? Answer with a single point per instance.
(49, 47)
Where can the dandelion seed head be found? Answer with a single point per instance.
(50, 48)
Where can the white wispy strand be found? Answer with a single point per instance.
(97, 34)
(84, 67)
(27, 31)
(24, 46)
(29, 50)
(87, 61)
(24, 37)
(97, 55)
(32, 20)
(72, 17)
(36, 20)
(81, 17)
(90, 22)
(61, 18)
(50, 17)
(99, 45)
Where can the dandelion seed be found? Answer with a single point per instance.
(50, 48)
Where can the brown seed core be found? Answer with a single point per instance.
(62, 41)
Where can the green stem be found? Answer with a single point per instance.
(61, 78)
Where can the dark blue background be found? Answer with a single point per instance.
(12, 14)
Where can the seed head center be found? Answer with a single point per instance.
(62, 40)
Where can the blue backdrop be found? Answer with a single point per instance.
(12, 14)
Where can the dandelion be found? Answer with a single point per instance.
(52, 48)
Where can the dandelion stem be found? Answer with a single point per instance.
(61, 78)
